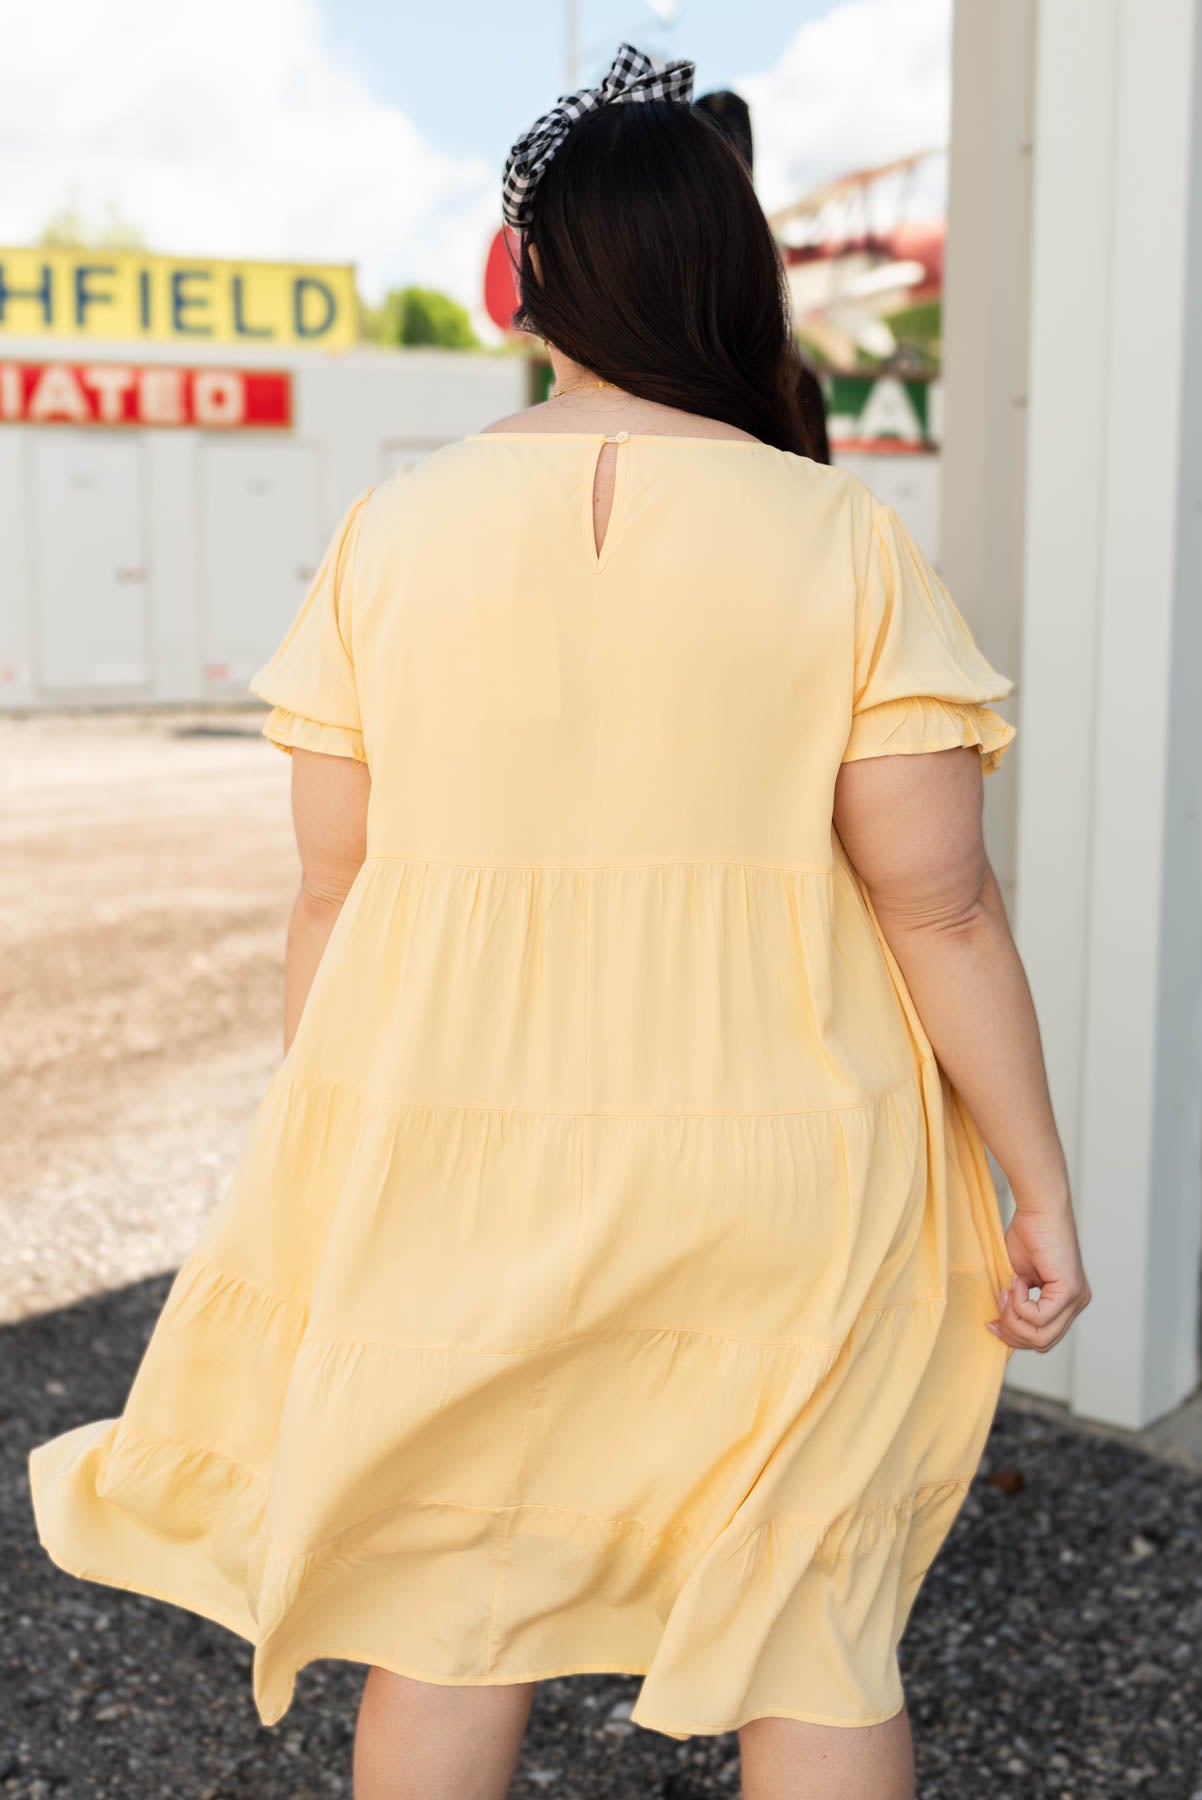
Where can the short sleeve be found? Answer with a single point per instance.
(310, 681)
(921, 682)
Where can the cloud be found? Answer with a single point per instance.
(868, 82)
(230, 130)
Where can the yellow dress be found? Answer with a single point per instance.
(603, 1282)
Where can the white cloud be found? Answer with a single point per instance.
(870, 81)
(230, 130)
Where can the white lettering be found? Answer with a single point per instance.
(111, 383)
(58, 395)
(888, 413)
(161, 397)
(218, 397)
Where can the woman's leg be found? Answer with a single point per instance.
(786, 1760)
(416, 1740)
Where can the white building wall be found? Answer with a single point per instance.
(206, 509)
(1140, 1123)
(1107, 839)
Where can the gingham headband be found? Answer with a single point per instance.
(633, 76)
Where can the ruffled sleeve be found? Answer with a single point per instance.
(309, 683)
(920, 680)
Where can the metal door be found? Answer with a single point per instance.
(90, 573)
(262, 536)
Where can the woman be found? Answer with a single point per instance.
(612, 1277)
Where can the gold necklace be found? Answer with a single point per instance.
(581, 388)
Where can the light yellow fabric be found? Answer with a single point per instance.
(604, 1279)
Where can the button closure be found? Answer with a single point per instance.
(619, 439)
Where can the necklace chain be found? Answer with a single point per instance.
(581, 388)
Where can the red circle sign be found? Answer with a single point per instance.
(500, 287)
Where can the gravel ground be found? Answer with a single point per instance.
(146, 866)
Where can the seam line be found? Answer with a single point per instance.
(314, 1335)
(511, 1513)
(508, 1509)
(183, 1448)
(896, 1503)
(410, 1105)
(197, 1262)
(419, 860)
(598, 1334)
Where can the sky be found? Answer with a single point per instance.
(359, 131)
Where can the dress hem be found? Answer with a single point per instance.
(639, 1670)
(560, 1673)
(273, 1713)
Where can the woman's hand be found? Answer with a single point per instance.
(1045, 1252)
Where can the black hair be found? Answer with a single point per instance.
(658, 271)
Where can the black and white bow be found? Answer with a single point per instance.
(632, 76)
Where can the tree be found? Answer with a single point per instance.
(416, 315)
(918, 330)
(68, 228)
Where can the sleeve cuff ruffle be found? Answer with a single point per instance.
(289, 731)
(905, 727)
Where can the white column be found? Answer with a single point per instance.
(1109, 833)
(985, 355)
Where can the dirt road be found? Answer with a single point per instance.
(147, 866)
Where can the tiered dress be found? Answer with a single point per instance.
(604, 1280)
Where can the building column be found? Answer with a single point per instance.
(1106, 641)
(985, 357)
(1110, 853)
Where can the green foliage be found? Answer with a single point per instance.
(416, 315)
(920, 329)
(68, 228)
(813, 352)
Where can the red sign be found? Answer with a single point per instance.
(59, 393)
(500, 286)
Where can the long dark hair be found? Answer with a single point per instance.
(659, 272)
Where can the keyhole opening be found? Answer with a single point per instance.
(605, 471)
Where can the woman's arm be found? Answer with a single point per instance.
(329, 815)
(911, 825)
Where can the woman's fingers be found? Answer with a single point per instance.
(1027, 1337)
(1028, 1324)
(1044, 1253)
(1032, 1322)
(1042, 1312)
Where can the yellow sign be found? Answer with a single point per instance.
(175, 300)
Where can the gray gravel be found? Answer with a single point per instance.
(1056, 1648)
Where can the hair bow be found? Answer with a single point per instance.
(632, 76)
